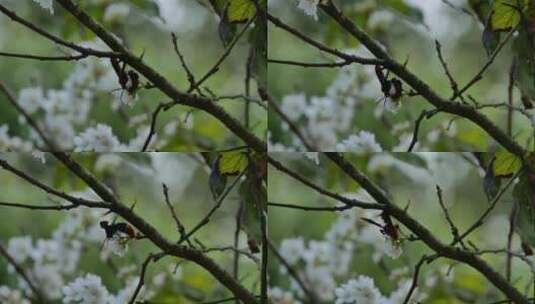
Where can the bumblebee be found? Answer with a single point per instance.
(114, 228)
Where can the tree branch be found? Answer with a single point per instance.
(161, 82)
(421, 87)
(425, 235)
(154, 236)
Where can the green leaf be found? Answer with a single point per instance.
(253, 198)
(524, 72)
(240, 10)
(259, 54)
(524, 197)
(506, 163)
(506, 14)
(232, 163)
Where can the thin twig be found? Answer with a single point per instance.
(306, 208)
(453, 83)
(225, 54)
(453, 228)
(38, 294)
(487, 65)
(415, 276)
(347, 201)
(235, 250)
(427, 114)
(44, 58)
(56, 39)
(144, 266)
(218, 204)
(493, 204)
(180, 228)
(189, 74)
(311, 64)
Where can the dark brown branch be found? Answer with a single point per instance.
(152, 129)
(453, 228)
(306, 208)
(161, 82)
(235, 250)
(311, 64)
(144, 266)
(244, 97)
(74, 200)
(189, 74)
(340, 198)
(427, 114)
(421, 87)
(180, 228)
(80, 49)
(416, 275)
(39, 207)
(277, 22)
(426, 235)
(453, 83)
(44, 58)
(154, 236)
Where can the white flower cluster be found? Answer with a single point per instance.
(325, 265)
(49, 262)
(345, 237)
(12, 143)
(363, 142)
(278, 296)
(11, 296)
(328, 121)
(324, 118)
(310, 7)
(64, 114)
(99, 139)
(88, 289)
(363, 290)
